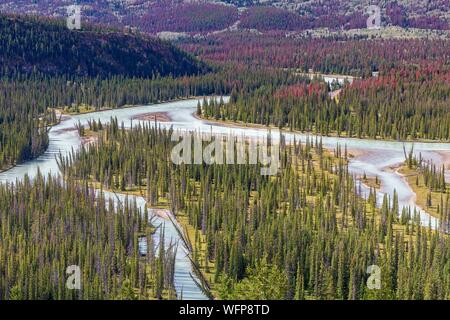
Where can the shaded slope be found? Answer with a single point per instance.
(32, 44)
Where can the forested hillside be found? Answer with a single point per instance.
(265, 15)
(48, 225)
(42, 45)
(45, 65)
(340, 55)
(407, 104)
(183, 17)
(353, 13)
(403, 92)
(26, 104)
(306, 232)
(24, 122)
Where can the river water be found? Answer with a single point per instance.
(371, 156)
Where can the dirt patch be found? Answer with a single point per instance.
(357, 153)
(88, 140)
(395, 168)
(162, 213)
(153, 116)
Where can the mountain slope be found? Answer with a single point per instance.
(32, 44)
(203, 16)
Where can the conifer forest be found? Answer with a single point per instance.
(224, 150)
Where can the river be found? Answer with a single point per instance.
(371, 156)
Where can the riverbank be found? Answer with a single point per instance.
(423, 195)
(7, 168)
(199, 251)
(12, 166)
(48, 128)
(371, 182)
(242, 125)
(92, 110)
